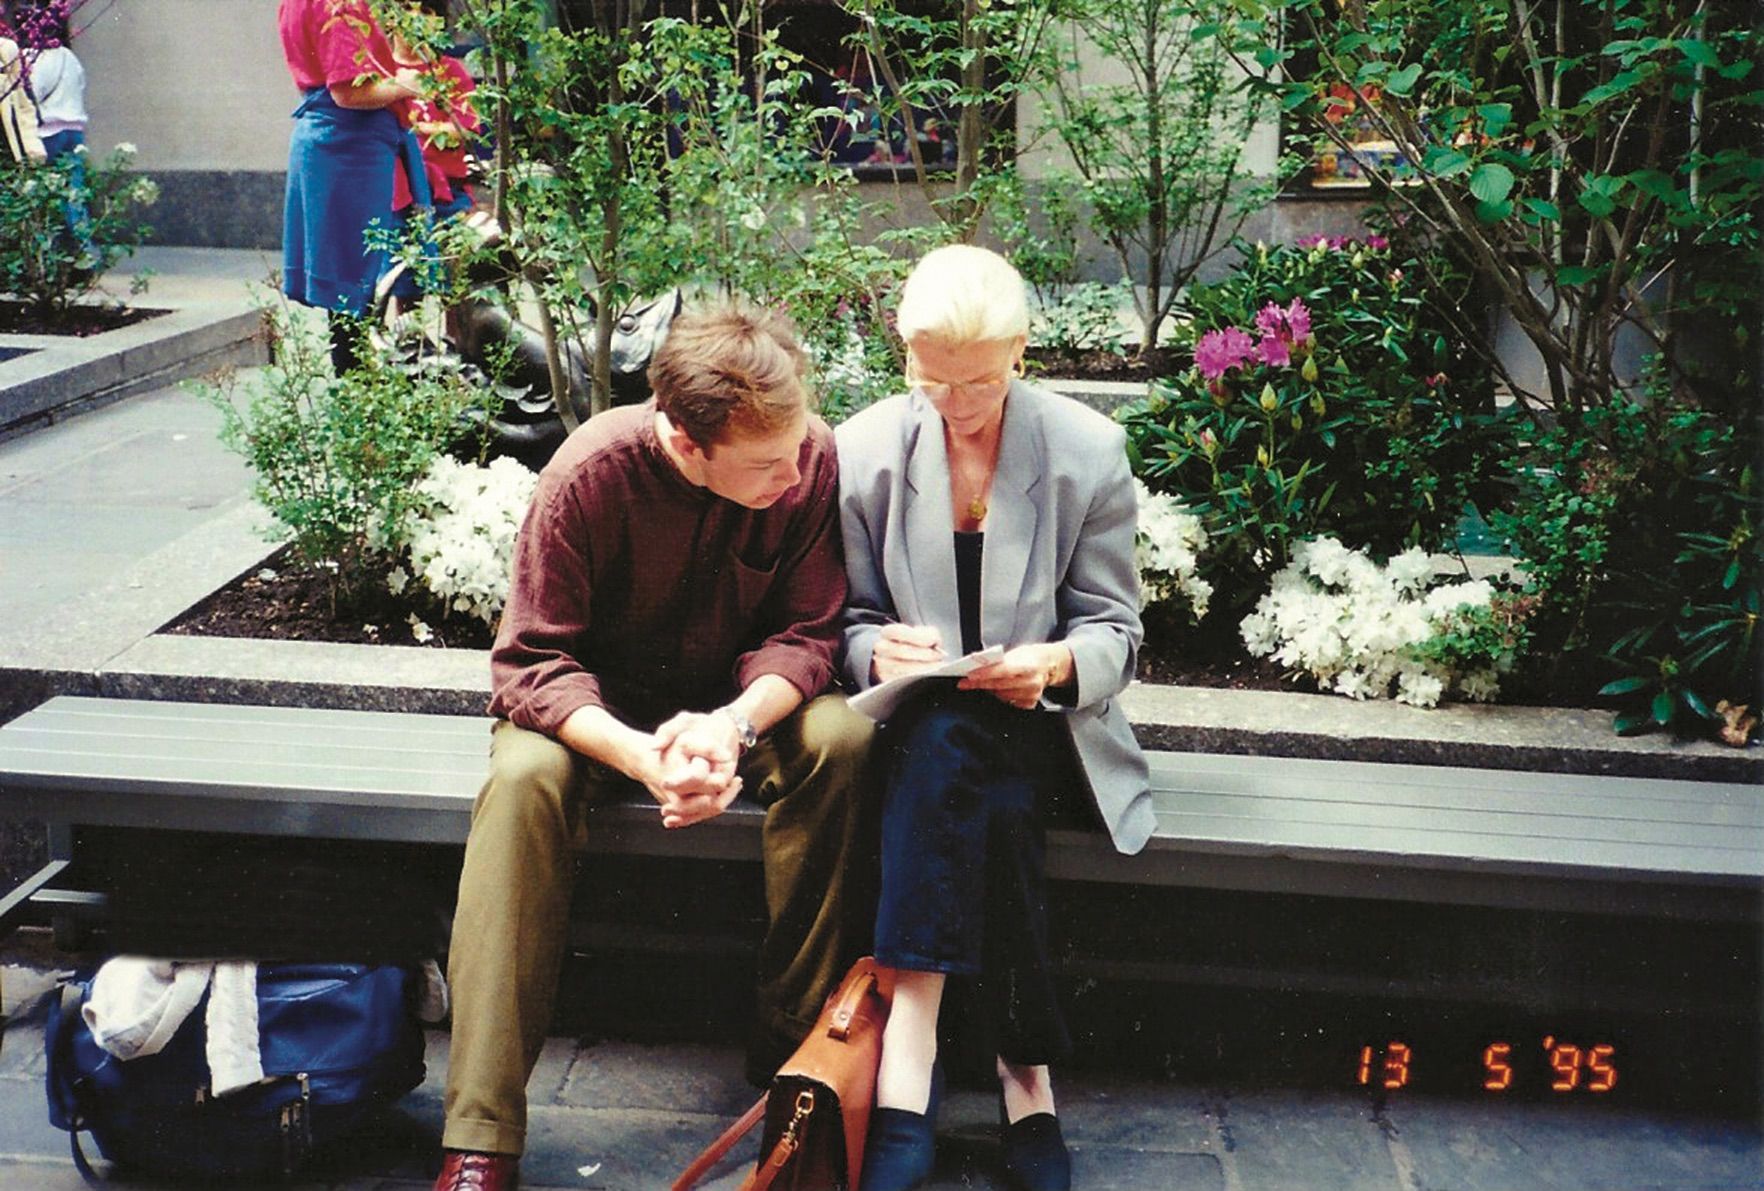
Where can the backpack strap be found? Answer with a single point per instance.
(715, 1152)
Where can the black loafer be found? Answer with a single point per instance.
(1035, 1155)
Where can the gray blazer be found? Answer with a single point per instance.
(1058, 565)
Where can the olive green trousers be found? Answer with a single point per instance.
(514, 897)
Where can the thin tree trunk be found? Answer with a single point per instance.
(971, 129)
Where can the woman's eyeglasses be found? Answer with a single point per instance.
(979, 390)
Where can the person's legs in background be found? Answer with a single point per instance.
(66, 146)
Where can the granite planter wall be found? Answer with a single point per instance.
(44, 378)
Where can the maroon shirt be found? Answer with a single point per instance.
(635, 590)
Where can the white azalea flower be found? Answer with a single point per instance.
(462, 532)
(1359, 628)
(1167, 549)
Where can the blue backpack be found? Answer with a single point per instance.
(337, 1041)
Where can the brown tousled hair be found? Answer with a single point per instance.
(729, 368)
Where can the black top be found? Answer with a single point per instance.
(968, 549)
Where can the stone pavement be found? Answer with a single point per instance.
(626, 1115)
(104, 494)
(82, 500)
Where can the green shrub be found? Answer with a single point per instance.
(1038, 233)
(337, 459)
(1637, 525)
(1085, 318)
(43, 263)
(1357, 415)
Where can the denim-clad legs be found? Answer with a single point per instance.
(969, 781)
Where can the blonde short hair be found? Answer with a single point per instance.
(963, 294)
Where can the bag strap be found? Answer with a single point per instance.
(69, 1091)
(717, 1149)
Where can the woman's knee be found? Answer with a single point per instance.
(946, 726)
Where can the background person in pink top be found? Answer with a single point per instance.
(445, 122)
(340, 158)
(441, 124)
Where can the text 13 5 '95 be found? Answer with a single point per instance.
(1572, 1067)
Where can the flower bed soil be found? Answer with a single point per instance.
(78, 322)
(282, 600)
(1094, 365)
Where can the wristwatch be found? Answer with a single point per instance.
(743, 728)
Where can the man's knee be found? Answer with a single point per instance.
(532, 787)
(819, 777)
(832, 734)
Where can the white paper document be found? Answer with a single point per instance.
(885, 698)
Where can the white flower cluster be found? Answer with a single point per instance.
(1357, 627)
(1168, 547)
(462, 533)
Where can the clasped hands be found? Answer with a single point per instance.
(688, 765)
(1019, 678)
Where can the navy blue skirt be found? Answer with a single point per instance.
(339, 182)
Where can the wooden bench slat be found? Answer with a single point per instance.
(1366, 842)
(1515, 787)
(170, 777)
(245, 758)
(69, 714)
(1290, 816)
(1378, 799)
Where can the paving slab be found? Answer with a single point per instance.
(1459, 1145)
(625, 1074)
(1303, 1141)
(88, 512)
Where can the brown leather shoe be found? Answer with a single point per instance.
(465, 1170)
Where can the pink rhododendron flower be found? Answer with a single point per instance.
(1298, 320)
(1377, 243)
(1282, 328)
(1220, 351)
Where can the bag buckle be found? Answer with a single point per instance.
(805, 1104)
(295, 1122)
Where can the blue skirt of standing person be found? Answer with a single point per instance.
(339, 181)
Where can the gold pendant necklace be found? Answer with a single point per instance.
(977, 509)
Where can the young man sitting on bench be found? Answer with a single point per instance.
(672, 618)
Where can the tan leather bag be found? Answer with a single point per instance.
(817, 1111)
